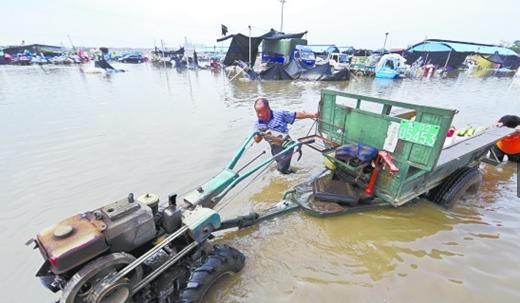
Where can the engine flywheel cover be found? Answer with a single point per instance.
(118, 292)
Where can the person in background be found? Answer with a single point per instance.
(510, 145)
(272, 127)
(510, 121)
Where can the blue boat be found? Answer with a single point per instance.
(390, 66)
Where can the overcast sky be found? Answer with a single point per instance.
(361, 23)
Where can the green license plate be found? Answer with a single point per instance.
(417, 132)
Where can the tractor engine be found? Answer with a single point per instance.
(120, 226)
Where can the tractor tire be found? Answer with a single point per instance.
(223, 260)
(465, 180)
(81, 287)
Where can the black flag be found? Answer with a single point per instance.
(224, 30)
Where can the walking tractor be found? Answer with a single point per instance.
(135, 250)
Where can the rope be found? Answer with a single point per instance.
(313, 124)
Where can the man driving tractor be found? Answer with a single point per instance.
(272, 126)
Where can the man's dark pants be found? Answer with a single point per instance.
(283, 163)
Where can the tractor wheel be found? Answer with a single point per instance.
(81, 288)
(223, 260)
(465, 180)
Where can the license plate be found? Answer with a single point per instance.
(418, 132)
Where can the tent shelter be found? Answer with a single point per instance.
(47, 50)
(239, 47)
(448, 53)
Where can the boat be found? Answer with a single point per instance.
(5, 58)
(390, 66)
(22, 59)
(363, 62)
(165, 58)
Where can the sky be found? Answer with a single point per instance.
(360, 23)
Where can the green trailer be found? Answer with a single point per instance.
(411, 136)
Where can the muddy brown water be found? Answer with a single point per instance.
(72, 142)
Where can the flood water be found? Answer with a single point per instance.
(73, 142)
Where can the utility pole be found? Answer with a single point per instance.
(384, 45)
(281, 23)
(249, 46)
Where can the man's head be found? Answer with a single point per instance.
(509, 121)
(263, 111)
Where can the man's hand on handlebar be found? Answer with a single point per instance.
(269, 137)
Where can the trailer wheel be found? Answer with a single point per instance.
(465, 180)
(223, 260)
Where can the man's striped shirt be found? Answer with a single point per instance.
(278, 122)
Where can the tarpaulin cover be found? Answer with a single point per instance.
(283, 48)
(495, 58)
(511, 62)
(158, 52)
(275, 72)
(239, 47)
(295, 71)
(319, 72)
(103, 64)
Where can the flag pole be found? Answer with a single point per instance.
(281, 23)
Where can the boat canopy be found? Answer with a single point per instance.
(392, 61)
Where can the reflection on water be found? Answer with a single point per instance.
(75, 141)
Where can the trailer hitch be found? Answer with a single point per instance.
(240, 221)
